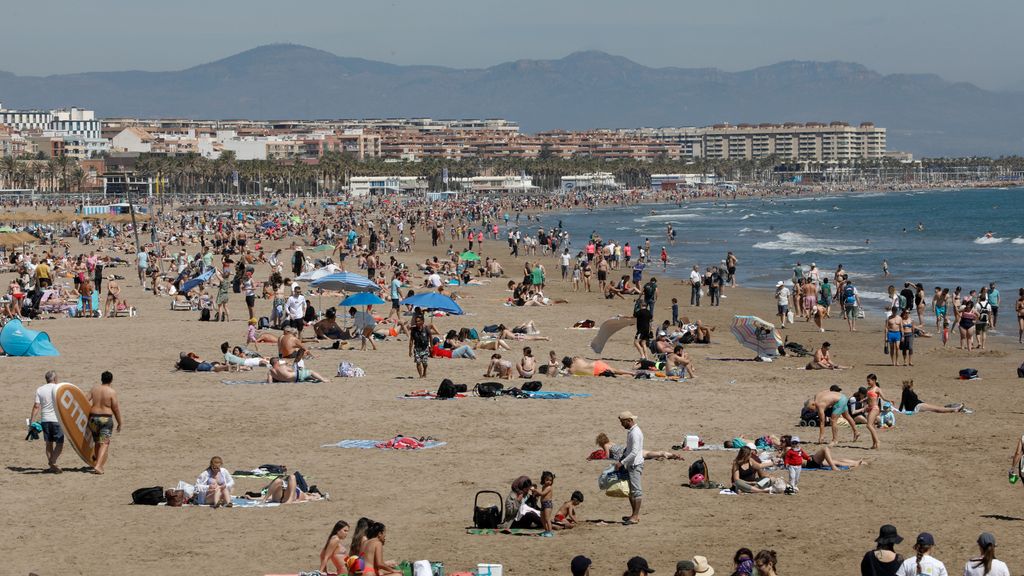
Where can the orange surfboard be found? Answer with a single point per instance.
(73, 412)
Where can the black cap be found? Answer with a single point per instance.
(887, 534)
(579, 565)
(639, 564)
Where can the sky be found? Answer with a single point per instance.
(975, 42)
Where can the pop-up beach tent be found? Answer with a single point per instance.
(17, 340)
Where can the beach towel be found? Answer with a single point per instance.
(383, 444)
(506, 531)
(552, 395)
(426, 395)
(825, 468)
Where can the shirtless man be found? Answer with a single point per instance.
(290, 346)
(280, 372)
(678, 363)
(527, 365)
(819, 313)
(577, 366)
(893, 335)
(113, 297)
(103, 410)
(498, 368)
(809, 293)
(328, 327)
(835, 402)
(823, 359)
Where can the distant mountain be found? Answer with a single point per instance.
(923, 113)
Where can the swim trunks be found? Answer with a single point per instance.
(102, 428)
(545, 504)
(421, 356)
(600, 367)
(302, 374)
(559, 517)
(840, 406)
(893, 336)
(940, 311)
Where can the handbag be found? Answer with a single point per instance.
(174, 498)
(618, 490)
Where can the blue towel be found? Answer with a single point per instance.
(367, 444)
(552, 395)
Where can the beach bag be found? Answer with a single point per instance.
(347, 369)
(532, 386)
(148, 496)
(491, 328)
(488, 389)
(174, 498)
(968, 374)
(618, 490)
(264, 323)
(487, 517)
(274, 468)
(204, 315)
(446, 389)
(300, 482)
(699, 467)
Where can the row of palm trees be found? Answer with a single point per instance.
(193, 173)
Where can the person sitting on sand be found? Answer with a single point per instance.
(610, 451)
(678, 363)
(911, 404)
(746, 471)
(578, 366)
(372, 552)
(498, 368)
(552, 366)
(823, 359)
(280, 372)
(190, 362)
(237, 358)
(333, 550)
(835, 401)
(327, 327)
(290, 346)
(823, 457)
(213, 486)
(565, 518)
(527, 365)
(286, 491)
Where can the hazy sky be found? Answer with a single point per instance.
(962, 41)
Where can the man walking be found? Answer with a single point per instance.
(695, 282)
(295, 309)
(650, 293)
(44, 411)
(103, 411)
(419, 345)
(632, 462)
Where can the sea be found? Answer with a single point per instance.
(947, 238)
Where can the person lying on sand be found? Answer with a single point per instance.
(823, 457)
(614, 452)
(191, 362)
(237, 358)
(280, 372)
(577, 366)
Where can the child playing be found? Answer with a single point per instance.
(566, 516)
(794, 459)
(675, 313)
(547, 483)
(554, 364)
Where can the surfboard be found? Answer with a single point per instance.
(73, 412)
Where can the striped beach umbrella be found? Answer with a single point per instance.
(756, 334)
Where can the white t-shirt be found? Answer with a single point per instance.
(295, 306)
(44, 397)
(361, 320)
(695, 277)
(565, 257)
(929, 567)
(434, 280)
(998, 569)
(783, 296)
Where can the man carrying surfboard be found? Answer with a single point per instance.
(103, 410)
(44, 412)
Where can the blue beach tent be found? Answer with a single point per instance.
(17, 340)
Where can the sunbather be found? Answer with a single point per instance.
(286, 491)
(252, 336)
(527, 365)
(823, 457)
(213, 486)
(578, 366)
(678, 363)
(236, 357)
(280, 372)
(496, 344)
(835, 402)
(615, 451)
(191, 362)
(328, 326)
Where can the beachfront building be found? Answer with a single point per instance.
(78, 131)
(592, 181)
(360, 186)
(808, 142)
(680, 181)
(496, 184)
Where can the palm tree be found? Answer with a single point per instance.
(9, 169)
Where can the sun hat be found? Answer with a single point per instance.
(887, 535)
(702, 567)
(925, 539)
(779, 283)
(579, 565)
(986, 539)
(639, 564)
(627, 415)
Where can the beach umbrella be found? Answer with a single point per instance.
(318, 273)
(204, 277)
(434, 301)
(469, 256)
(756, 334)
(362, 299)
(345, 282)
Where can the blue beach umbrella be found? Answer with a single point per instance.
(345, 282)
(362, 299)
(434, 301)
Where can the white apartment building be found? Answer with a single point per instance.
(360, 186)
(592, 181)
(79, 129)
(521, 183)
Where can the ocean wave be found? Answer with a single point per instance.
(748, 216)
(669, 216)
(871, 295)
(797, 243)
(1018, 240)
(810, 211)
(989, 240)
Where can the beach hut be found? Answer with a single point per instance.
(17, 340)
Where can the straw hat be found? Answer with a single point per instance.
(702, 567)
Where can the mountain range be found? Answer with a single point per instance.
(923, 113)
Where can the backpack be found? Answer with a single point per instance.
(204, 315)
(264, 323)
(849, 294)
(983, 314)
(148, 496)
(446, 389)
(649, 289)
(532, 386)
(488, 389)
(300, 482)
(174, 498)
(968, 374)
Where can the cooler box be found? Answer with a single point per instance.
(488, 570)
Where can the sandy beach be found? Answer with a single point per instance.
(945, 474)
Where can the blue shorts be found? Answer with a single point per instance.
(893, 337)
(52, 432)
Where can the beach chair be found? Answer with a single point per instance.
(183, 306)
